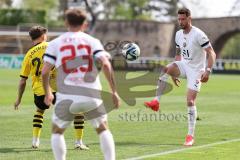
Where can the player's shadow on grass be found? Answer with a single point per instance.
(20, 150)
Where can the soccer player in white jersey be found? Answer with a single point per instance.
(192, 49)
(74, 45)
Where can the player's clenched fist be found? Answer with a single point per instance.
(48, 99)
(205, 77)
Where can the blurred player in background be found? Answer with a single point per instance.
(77, 45)
(192, 49)
(32, 65)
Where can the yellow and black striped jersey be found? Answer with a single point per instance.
(32, 65)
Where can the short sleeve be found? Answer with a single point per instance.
(26, 67)
(98, 50)
(50, 53)
(203, 40)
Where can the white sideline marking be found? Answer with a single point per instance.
(182, 149)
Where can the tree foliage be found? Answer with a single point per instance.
(16, 16)
(231, 48)
(129, 9)
(133, 9)
(39, 5)
(50, 7)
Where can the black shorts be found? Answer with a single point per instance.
(39, 101)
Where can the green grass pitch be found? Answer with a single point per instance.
(135, 136)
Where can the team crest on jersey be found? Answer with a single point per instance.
(184, 44)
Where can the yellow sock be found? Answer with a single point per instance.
(79, 126)
(37, 124)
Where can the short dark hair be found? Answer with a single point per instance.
(75, 17)
(37, 31)
(185, 11)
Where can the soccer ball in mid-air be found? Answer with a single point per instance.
(131, 51)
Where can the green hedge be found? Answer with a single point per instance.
(16, 16)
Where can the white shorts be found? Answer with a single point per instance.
(67, 106)
(193, 77)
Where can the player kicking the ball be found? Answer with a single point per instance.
(192, 48)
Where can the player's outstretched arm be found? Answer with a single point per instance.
(109, 74)
(211, 60)
(21, 89)
(45, 81)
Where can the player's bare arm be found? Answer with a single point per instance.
(211, 60)
(46, 86)
(109, 74)
(21, 89)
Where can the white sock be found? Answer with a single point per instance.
(79, 141)
(107, 145)
(58, 146)
(35, 141)
(192, 115)
(161, 86)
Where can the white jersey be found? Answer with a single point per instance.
(192, 47)
(73, 45)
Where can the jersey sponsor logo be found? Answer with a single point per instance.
(186, 55)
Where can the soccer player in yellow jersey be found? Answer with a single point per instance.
(32, 65)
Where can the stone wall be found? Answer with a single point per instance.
(157, 39)
(153, 38)
(219, 30)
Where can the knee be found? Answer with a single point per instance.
(40, 110)
(165, 69)
(171, 70)
(164, 76)
(190, 102)
(57, 130)
(102, 127)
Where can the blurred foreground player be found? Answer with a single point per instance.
(76, 45)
